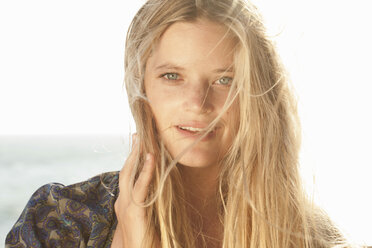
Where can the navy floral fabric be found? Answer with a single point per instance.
(78, 215)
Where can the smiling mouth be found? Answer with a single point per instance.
(191, 129)
(195, 132)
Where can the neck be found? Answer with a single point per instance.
(201, 188)
(200, 184)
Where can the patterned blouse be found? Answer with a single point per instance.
(79, 215)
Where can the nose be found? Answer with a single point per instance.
(197, 98)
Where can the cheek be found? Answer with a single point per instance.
(156, 104)
(164, 101)
(233, 119)
(163, 113)
(218, 98)
(159, 113)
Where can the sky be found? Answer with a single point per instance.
(61, 72)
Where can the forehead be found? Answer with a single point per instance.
(199, 42)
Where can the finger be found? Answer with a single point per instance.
(141, 186)
(134, 139)
(128, 165)
(126, 171)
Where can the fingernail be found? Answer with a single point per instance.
(148, 156)
(134, 137)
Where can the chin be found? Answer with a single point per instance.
(194, 161)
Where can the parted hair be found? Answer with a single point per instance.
(260, 195)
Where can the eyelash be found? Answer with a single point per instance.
(169, 73)
(229, 78)
(164, 76)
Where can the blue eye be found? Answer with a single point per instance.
(170, 76)
(224, 80)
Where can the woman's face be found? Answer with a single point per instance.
(187, 80)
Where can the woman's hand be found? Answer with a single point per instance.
(131, 226)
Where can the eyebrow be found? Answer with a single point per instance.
(222, 70)
(180, 68)
(169, 66)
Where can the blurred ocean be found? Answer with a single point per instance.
(28, 162)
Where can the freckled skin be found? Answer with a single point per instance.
(197, 53)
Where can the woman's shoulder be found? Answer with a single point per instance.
(68, 216)
(98, 189)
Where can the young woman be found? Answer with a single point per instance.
(215, 158)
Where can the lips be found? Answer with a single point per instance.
(194, 130)
(191, 129)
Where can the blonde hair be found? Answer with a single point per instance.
(261, 200)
